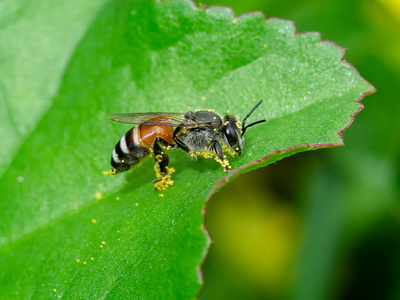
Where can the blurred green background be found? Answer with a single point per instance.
(324, 224)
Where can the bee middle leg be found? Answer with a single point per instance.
(163, 171)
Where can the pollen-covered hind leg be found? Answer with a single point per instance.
(163, 171)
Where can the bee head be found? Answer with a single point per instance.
(233, 135)
(233, 132)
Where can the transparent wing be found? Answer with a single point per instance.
(151, 118)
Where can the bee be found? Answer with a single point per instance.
(199, 133)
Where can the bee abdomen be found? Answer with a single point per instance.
(127, 151)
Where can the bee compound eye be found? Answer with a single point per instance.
(231, 135)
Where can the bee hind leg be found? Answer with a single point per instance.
(163, 171)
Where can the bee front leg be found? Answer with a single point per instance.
(221, 158)
(163, 171)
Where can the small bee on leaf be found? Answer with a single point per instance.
(199, 133)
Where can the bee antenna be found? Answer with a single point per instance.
(248, 115)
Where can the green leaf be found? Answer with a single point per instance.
(57, 237)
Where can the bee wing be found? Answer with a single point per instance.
(165, 118)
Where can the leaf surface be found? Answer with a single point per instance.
(69, 231)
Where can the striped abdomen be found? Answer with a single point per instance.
(128, 151)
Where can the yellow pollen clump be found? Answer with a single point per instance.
(163, 181)
(265, 45)
(103, 242)
(55, 290)
(94, 221)
(117, 198)
(84, 262)
(78, 260)
(110, 172)
(161, 195)
(159, 158)
(137, 204)
(234, 21)
(204, 154)
(224, 163)
(99, 196)
(92, 258)
(101, 246)
(225, 148)
(212, 90)
(203, 99)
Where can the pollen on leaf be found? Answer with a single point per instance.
(161, 195)
(137, 204)
(99, 196)
(84, 262)
(55, 290)
(92, 258)
(265, 45)
(101, 246)
(203, 99)
(103, 242)
(117, 198)
(234, 21)
(78, 260)
(94, 221)
(212, 90)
